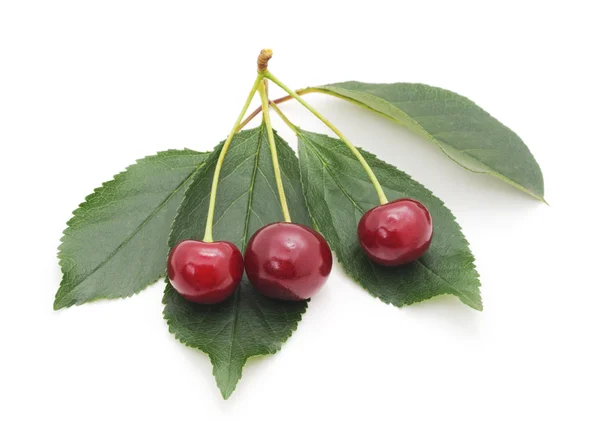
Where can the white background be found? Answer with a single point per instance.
(88, 87)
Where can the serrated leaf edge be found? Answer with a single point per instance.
(81, 207)
(401, 304)
(224, 394)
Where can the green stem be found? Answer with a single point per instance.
(382, 198)
(267, 119)
(283, 117)
(258, 110)
(213, 191)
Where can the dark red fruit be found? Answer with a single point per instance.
(204, 272)
(287, 261)
(396, 233)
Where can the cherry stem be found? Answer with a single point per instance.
(213, 192)
(258, 110)
(382, 198)
(262, 90)
(284, 118)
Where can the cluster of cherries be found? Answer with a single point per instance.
(288, 261)
(284, 260)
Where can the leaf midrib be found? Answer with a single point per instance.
(326, 167)
(138, 229)
(245, 238)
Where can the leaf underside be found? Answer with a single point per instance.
(247, 324)
(464, 132)
(338, 192)
(115, 244)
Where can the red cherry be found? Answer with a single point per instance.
(287, 261)
(204, 272)
(396, 233)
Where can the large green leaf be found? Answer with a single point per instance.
(466, 133)
(248, 324)
(116, 243)
(338, 192)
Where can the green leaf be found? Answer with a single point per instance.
(338, 192)
(116, 243)
(466, 133)
(247, 324)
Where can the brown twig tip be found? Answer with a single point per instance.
(263, 59)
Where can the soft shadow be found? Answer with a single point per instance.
(448, 311)
(201, 363)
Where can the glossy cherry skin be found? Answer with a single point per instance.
(396, 233)
(287, 261)
(204, 272)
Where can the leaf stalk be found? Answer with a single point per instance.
(283, 117)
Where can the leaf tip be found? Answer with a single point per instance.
(539, 197)
(58, 303)
(226, 392)
(473, 303)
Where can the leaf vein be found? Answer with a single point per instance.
(137, 230)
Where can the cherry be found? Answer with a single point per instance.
(204, 272)
(396, 233)
(287, 261)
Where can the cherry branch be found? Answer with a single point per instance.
(258, 110)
